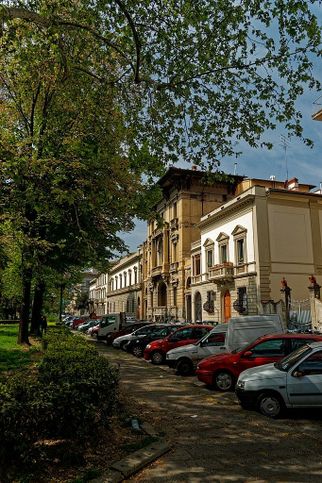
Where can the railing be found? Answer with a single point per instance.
(196, 279)
(223, 271)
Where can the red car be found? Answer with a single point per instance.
(79, 321)
(189, 334)
(222, 370)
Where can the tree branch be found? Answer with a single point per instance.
(136, 39)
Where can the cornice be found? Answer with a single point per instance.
(232, 207)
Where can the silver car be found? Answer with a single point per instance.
(293, 382)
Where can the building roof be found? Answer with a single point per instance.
(317, 116)
(174, 174)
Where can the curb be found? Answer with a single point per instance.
(126, 467)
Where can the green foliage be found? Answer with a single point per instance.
(12, 356)
(190, 78)
(71, 396)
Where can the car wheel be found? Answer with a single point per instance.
(224, 381)
(157, 357)
(270, 404)
(184, 367)
(137, 351)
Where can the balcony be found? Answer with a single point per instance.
(196, 279)
(224, 272)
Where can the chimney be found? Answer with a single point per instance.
(292, 184)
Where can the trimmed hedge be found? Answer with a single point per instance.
(72, 394)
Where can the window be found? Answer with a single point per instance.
(223, 253)
(240, 250)
(196, 264)
(174, 210)
(296, 343)
(130, 277)
(174, 295)
(215, 339)
(269, 348)
(124, 275)
(312, 365)
(242, 305)
(182, 334)
(199, 332)
(239, 234)
(210, 258)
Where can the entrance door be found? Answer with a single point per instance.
(227, 306)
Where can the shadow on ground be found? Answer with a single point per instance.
(213, 438)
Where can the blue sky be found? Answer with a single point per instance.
(302, 162)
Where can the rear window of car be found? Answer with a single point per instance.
(296, 343)
(269, 348)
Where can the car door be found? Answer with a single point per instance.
(265, 352)
(304, 382)
(211, 345)
(180, 337)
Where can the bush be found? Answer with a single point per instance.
(73, 392)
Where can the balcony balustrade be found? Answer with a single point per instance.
(224, 272)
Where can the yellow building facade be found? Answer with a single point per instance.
(166, 253)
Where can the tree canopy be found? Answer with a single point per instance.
(191, 77)
(96, 98)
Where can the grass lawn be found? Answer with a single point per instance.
(13, 356)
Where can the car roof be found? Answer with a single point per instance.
(315, 345)
(291, 336)
(188, 326)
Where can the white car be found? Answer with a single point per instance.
(185, 358)
(293, 382)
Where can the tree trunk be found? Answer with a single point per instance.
(25, 306)
(37, 307)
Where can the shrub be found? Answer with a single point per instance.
(73, 392)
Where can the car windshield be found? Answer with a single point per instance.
(287, 362)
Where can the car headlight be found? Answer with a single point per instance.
(241, 384)
(148, 346)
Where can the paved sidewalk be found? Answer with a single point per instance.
(213, 439)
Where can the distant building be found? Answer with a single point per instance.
(124, 292)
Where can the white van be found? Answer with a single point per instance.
(238, 332)
(113, 323)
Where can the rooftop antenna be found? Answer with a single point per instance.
(235, 168)
(285, 144)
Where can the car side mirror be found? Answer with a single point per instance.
(298, 374)
(248, 354)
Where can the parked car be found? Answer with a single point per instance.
(92, 331)
(88, 324)
(121, 342)
(111, 337)
(185, 358)
(78, 321)
(293, 382)
(222, 370)
(137, 344)
(189, 334)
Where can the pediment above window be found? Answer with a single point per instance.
(209, 243)
(222, 237)
(239, 230)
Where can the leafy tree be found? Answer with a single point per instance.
(96, 98)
